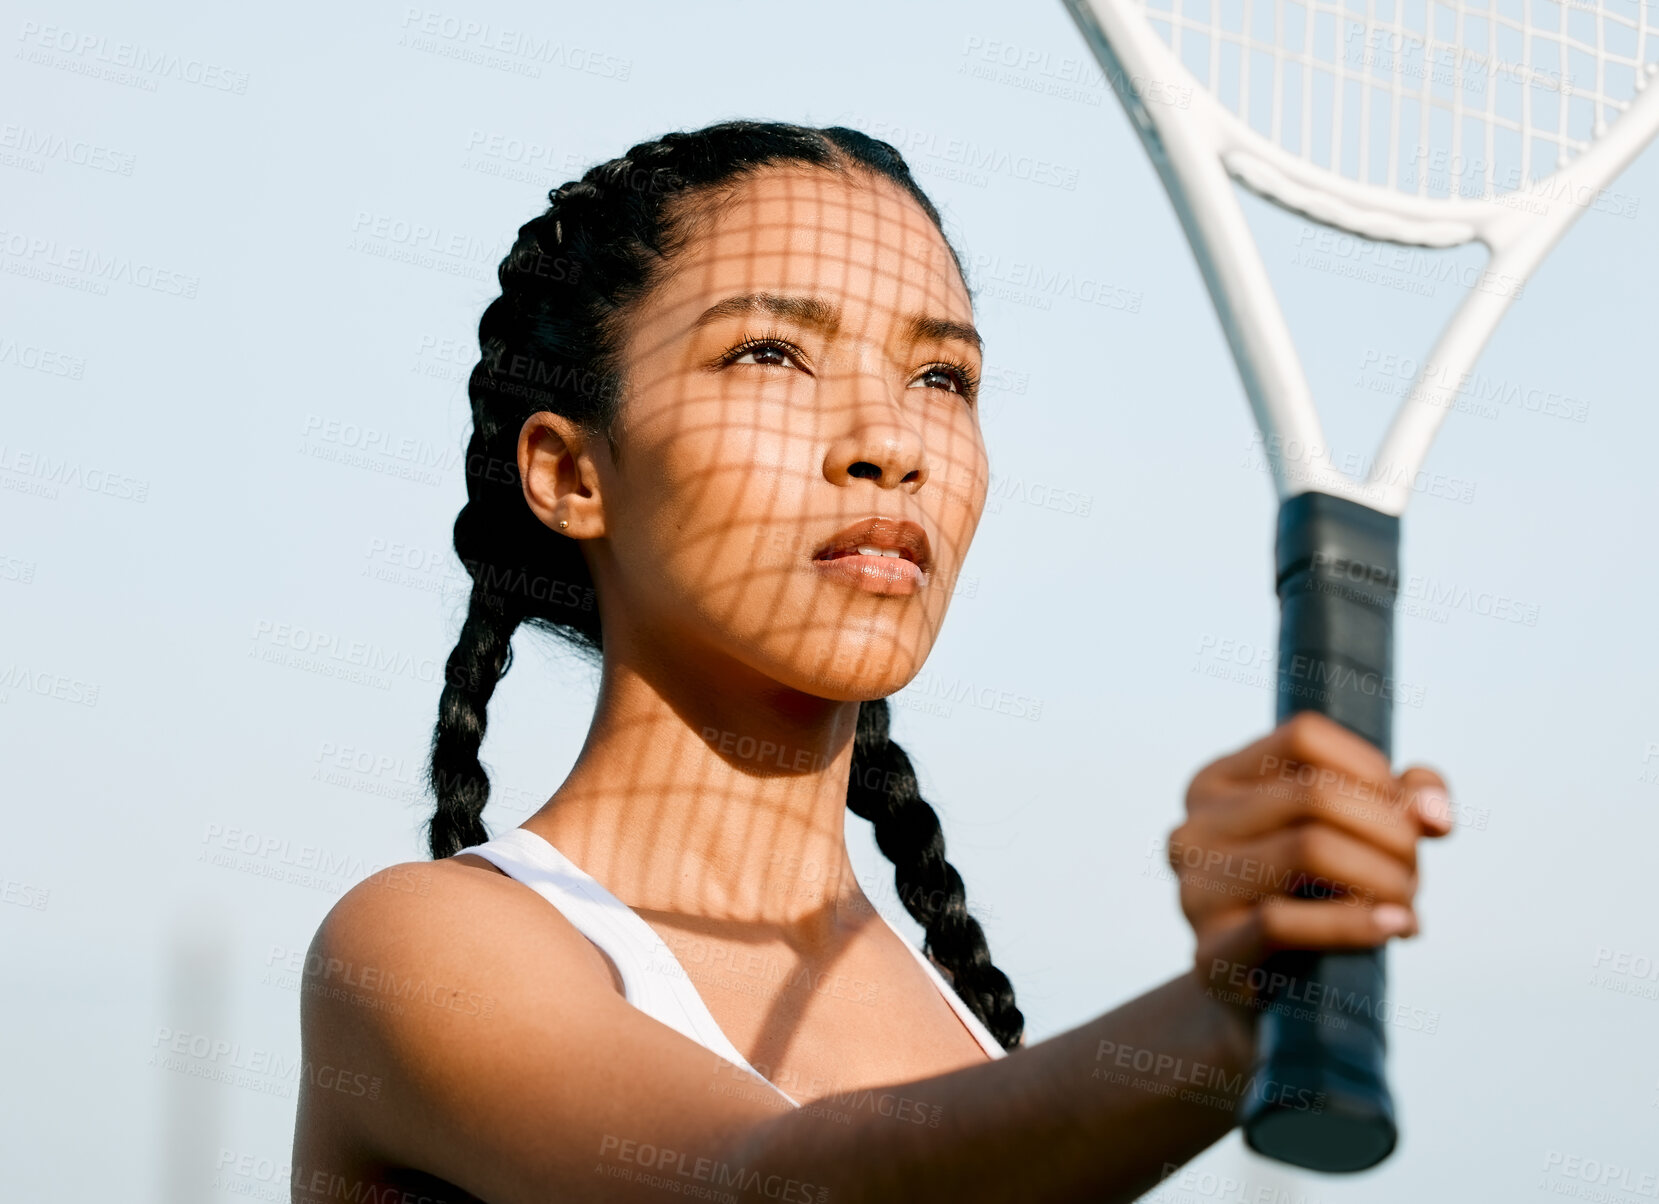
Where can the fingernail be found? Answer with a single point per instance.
(1436, 808)
(1391, 919)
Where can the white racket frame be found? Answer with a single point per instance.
(1201, 147)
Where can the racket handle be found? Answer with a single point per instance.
(1319, 1097)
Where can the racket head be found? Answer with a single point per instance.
(1205, 83)
(1378, 101)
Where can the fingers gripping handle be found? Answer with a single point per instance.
(1318, 1097)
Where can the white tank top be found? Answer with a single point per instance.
(653, 980)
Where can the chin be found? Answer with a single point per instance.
(855, 671)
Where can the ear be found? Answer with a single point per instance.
(560, 478)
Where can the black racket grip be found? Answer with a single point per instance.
(1319, 1097)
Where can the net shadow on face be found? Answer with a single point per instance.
(806, 361)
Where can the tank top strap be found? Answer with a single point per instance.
(653, 980)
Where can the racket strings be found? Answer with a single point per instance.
(1471, 98)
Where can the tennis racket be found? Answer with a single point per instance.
(1415, 122)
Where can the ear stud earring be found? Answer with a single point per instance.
(563, 523)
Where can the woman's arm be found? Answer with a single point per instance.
(506, 1063)
(510, 1065)
(1096, 1114)
(1101, 1112)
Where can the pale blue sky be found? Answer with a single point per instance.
(233, 408)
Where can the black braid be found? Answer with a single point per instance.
(551, 342)
(480, 659)
(883, 790)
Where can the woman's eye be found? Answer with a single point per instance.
(950, 376)
(772, 353)
(764, 354)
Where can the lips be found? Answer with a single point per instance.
(901, 535)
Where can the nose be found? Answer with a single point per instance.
(877, 439)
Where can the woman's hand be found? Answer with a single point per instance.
(1309, 810)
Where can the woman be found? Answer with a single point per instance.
(726, 415)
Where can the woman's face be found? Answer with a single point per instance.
(808, 363)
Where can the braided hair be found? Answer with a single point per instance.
(551, 342)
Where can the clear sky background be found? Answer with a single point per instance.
(232, 374)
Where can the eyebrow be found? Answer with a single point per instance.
(826, 316)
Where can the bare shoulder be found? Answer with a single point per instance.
(452, 938)
(414, 980)
(482, 1042)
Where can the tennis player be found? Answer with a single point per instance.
(726, 443)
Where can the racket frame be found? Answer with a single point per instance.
(1327, 519)
(1200, 147)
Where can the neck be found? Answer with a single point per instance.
(712, 796)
